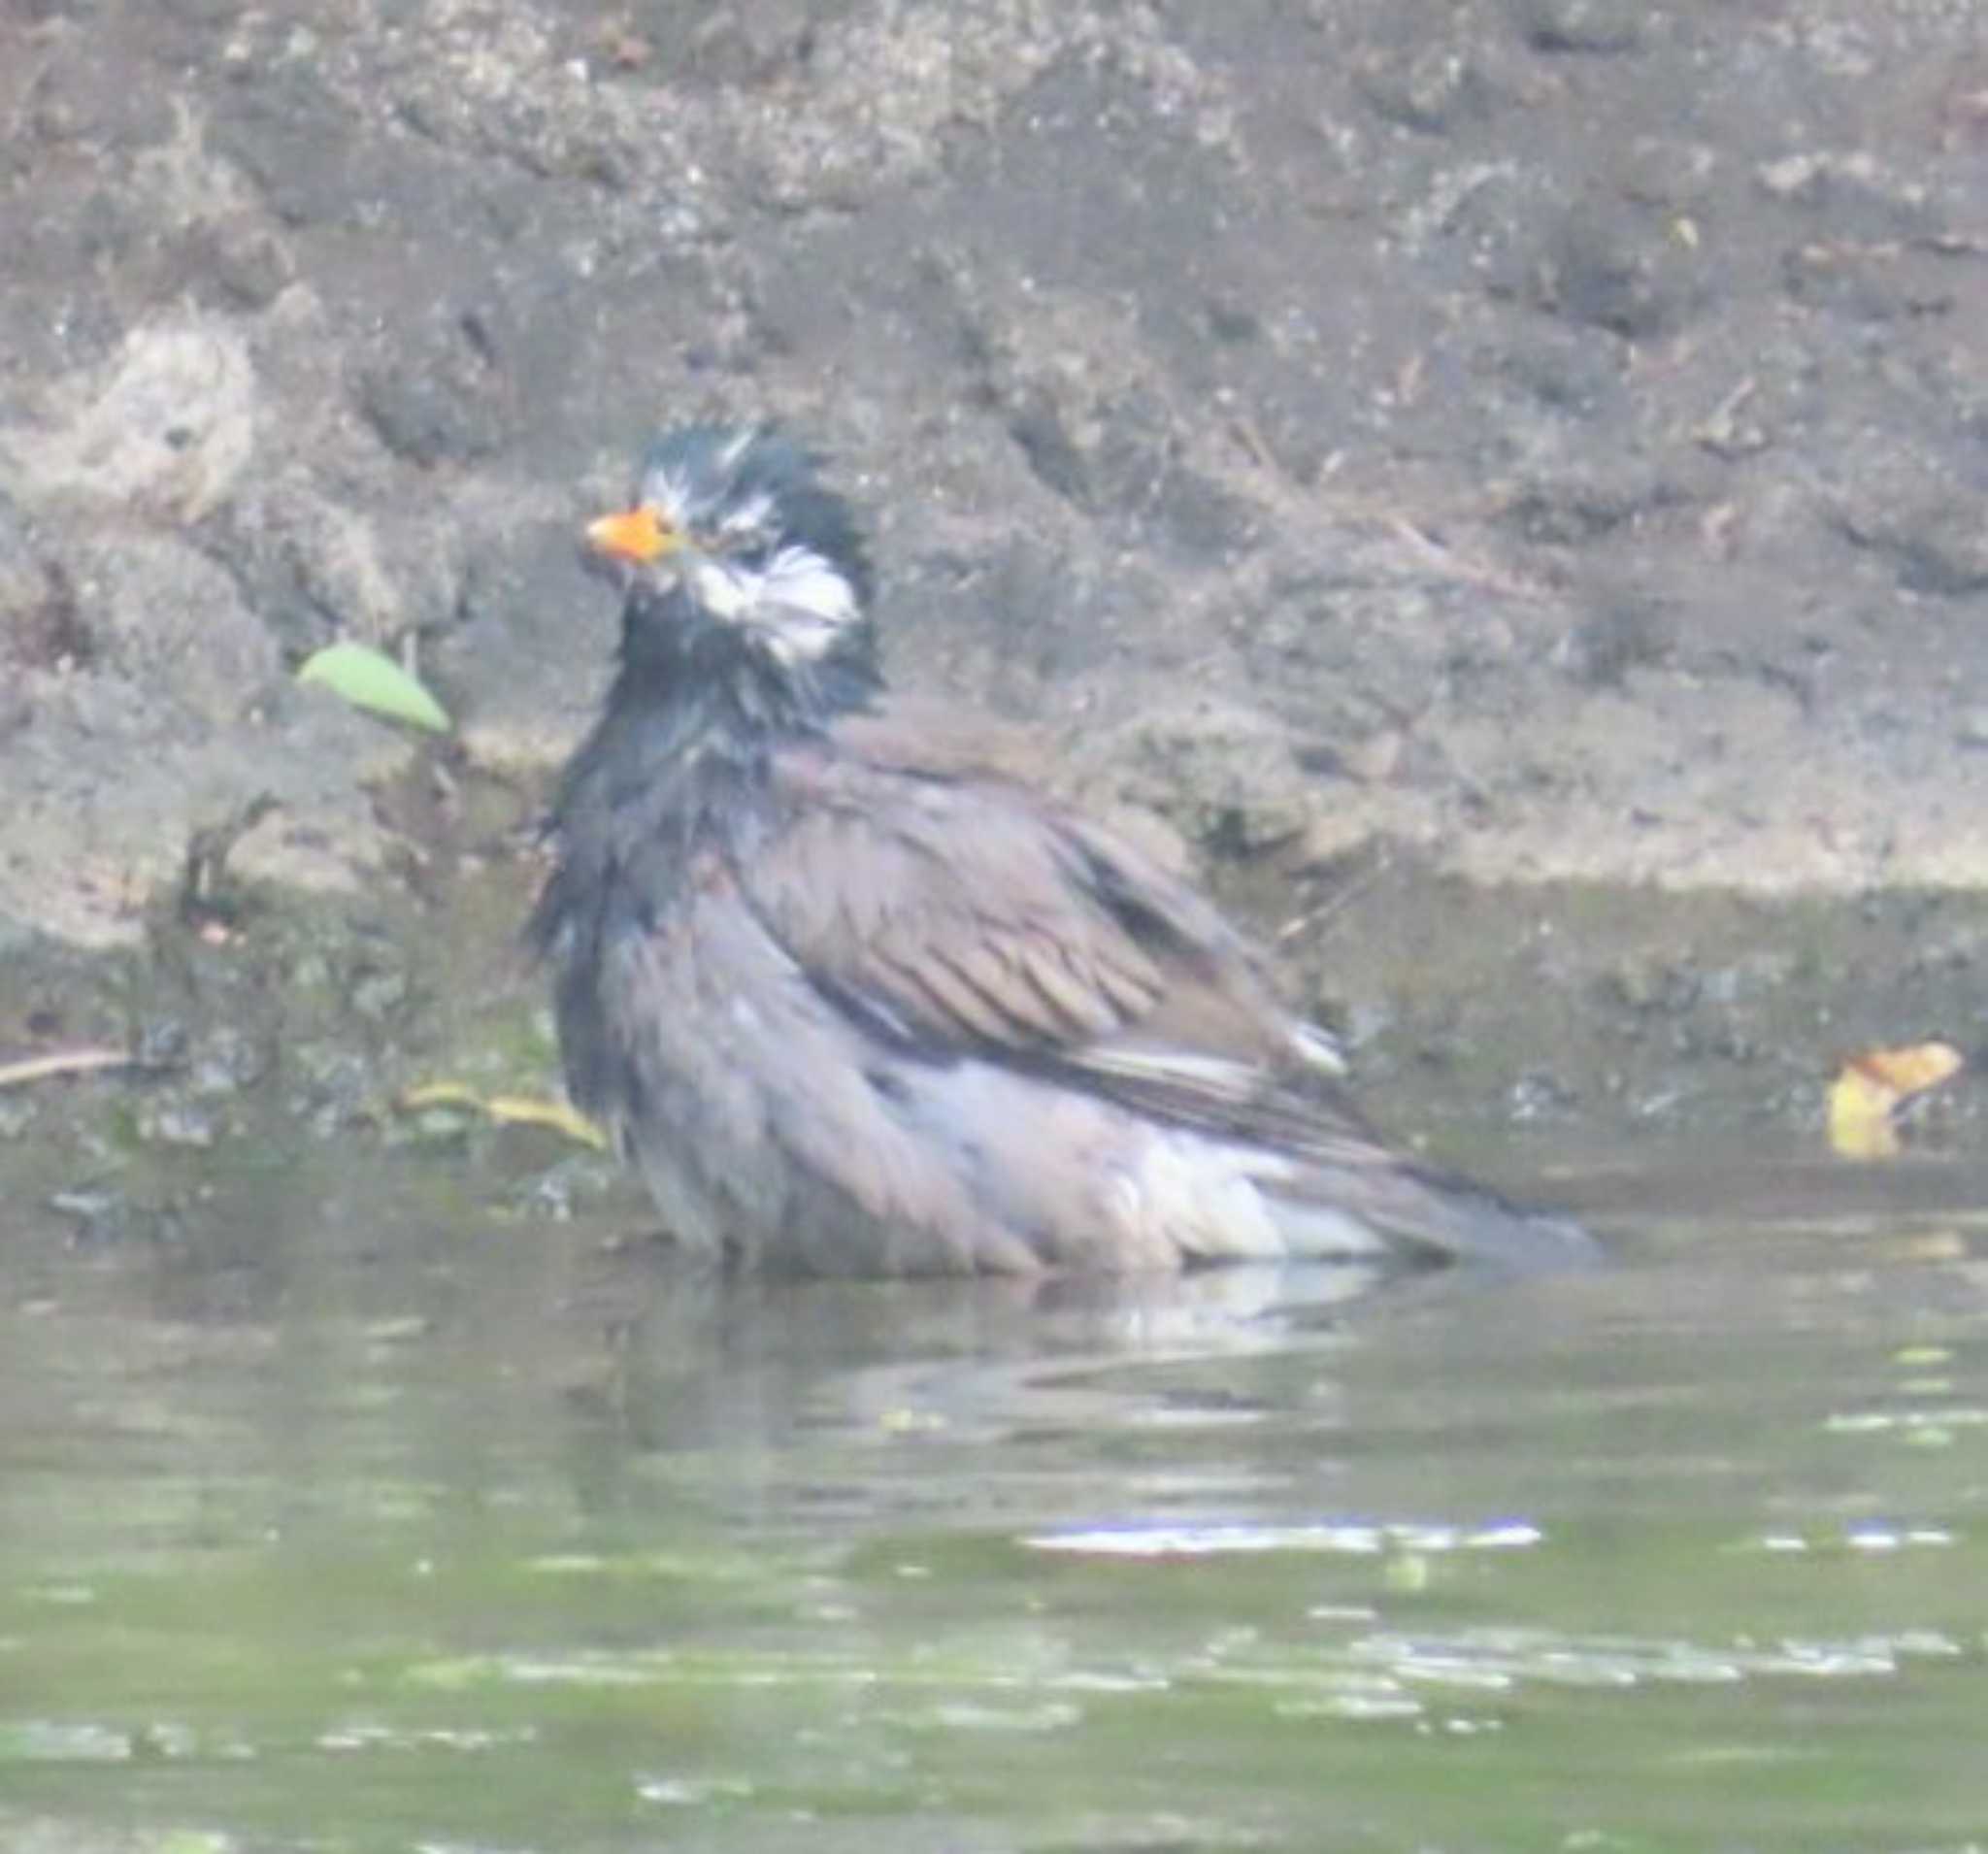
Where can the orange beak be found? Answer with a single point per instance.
(637, 536)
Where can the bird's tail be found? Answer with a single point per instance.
(1328, 1209)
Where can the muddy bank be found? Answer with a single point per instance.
(1535, 1034)
(1525, 446)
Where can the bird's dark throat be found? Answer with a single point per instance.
(713, 684)
(678, 761)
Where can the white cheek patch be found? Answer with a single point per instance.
(798, 605)
(722, 592)
(801, 582)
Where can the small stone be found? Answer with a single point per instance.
(1596, 28)
(23, 579)
(425, 417)
(226, 1062)
(378, 995)
(169, 429)
(176, 624)
(1604, 268)
(1791, 175)
(1933, 538)
(1433, 89)
(1374, 760)
(440, 1126)
(1038, 428)
(1228, 778)
(162, 1045)
(239, 269)
(176, 1124)
(1645, 984)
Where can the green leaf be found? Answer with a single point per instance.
(371, 680)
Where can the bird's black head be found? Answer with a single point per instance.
(730, 527)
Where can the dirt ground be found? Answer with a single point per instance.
(1502, 478)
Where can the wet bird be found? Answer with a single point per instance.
(857, 1001)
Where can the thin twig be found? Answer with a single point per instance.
(1336, 904)
(86, 1061)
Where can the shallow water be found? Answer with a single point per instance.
(332, 1524)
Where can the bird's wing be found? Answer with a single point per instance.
(962, 912)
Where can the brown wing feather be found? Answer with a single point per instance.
(969, 911)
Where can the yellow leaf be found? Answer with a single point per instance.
(506, 1110)
(438, 1094)
(1860, 1116)
(1870, 1086)
(1911, 1069)
(518, 1110)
